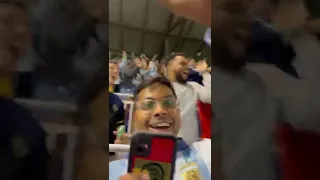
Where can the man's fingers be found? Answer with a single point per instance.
(124, 139)
(127, 177)
(128, 136)
(125, 136)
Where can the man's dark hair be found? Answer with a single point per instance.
(113, 61)
(147, 60)
(156, 80)
(172, 56)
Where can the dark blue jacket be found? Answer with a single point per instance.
(195, 76)
(268, 46)
(116, 115)
(23, 153)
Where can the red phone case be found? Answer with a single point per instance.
(159, 158)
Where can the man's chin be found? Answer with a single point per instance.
(182, 80)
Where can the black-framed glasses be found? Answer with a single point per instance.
(150, 104)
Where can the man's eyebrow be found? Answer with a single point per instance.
(168, 96)
(149, 98)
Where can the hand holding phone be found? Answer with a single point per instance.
(122, 138)
(120, 131)
(135, 176)
(154, 154)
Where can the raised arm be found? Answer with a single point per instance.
(203, 92)
(206, 79)
(124, 59)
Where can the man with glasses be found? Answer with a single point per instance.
(156, 109)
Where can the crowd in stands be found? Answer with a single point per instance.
(128, 72)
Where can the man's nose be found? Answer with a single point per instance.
(159, 111)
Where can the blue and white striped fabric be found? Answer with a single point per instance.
(189, 160)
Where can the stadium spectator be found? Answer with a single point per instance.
(23, 141)
(188, 94)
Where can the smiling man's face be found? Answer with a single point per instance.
(156, 110)
(15, 36)
(179, 66)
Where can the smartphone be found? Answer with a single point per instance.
(154, 153)
(120, 131)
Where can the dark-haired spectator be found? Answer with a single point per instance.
(114, 76)
(188, 94)
(133, 72)
(144, 72)
(116, 106)
(23, 150)
(128, 71)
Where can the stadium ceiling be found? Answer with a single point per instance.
(144, 26)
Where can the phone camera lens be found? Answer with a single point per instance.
(142, 149)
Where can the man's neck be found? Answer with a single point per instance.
(173, 79)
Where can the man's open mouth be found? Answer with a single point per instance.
(185, 74)
(160, 127)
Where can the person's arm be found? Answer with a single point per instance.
(153, 72)
(124, 60)
(196, 10)
(206, 79)
(203, 92)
